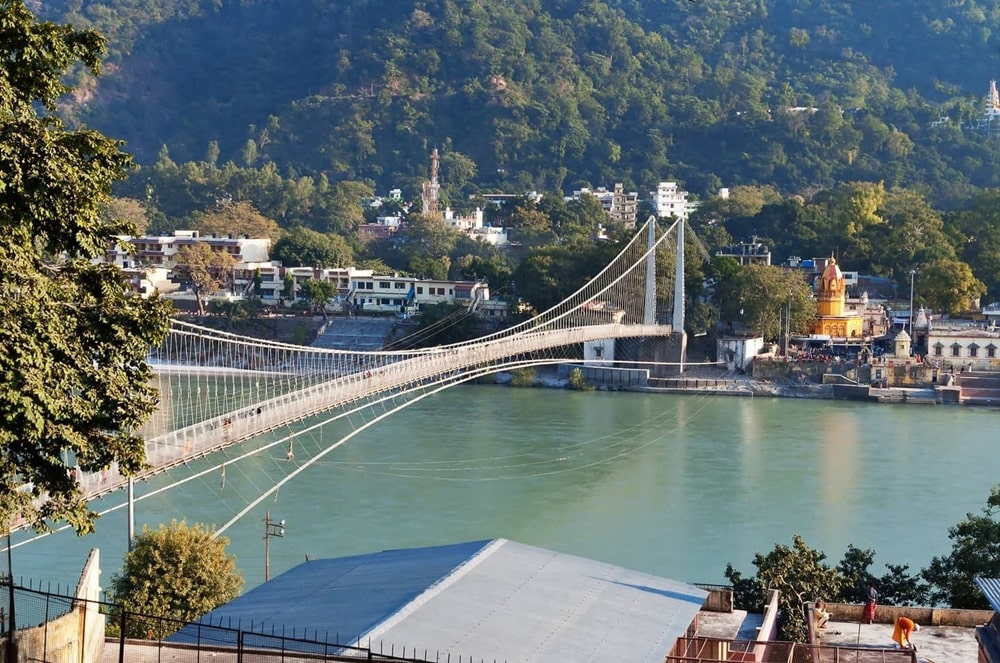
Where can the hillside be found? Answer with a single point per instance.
(552, 94)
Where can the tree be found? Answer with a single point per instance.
(950, 286)
(129, 210)
(758, 295)
(205, 269)
(237, 218)
(975, 552)
(308, 248)
(75, 386)
(175, 572)
(800, 575)
(317, 293)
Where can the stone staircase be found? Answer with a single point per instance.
(979, 387)
(364, 334)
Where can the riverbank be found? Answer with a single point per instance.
(700, 379)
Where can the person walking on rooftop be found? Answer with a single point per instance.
(871, 599)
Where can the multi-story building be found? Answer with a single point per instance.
(669, 200)
(748, 253)
(161, 250)
(621, 206)
(406, 293)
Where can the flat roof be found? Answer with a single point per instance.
(935, 644)
(487, 599)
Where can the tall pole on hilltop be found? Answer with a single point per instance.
(910, 328)
(649, 315)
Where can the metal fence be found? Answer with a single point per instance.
(705, 650)
(40, 635)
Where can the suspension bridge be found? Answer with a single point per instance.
(219, 389)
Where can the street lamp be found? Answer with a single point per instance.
(271, 528)
(913, 273)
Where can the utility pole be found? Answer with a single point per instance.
(271, 528)
(909, 330)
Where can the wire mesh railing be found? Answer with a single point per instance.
(50, 626)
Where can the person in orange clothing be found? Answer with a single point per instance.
(902, 631)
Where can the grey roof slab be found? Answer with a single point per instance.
(487, 599)
(514, 602)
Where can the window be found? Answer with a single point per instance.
(938, 349)
(450, 291)
(399, 285)
(384, 285)
(420, 289)
(973, 350)
(991, 351)
(440, 291)
(956, 350)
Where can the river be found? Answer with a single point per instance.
(676, 485)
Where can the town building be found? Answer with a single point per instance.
(383, 227)
(972, 346)
(385, 294)
(621, 206)
(748, 253)
(669, 200)
(161, 250)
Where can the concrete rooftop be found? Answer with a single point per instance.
(935, 644)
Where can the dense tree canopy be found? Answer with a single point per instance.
(75, 387)
(177, 572)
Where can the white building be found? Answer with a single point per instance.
(406, 294)
(989, 120)
(963, 346)
(160, 250)
(669, 200)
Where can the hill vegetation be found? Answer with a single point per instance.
(821, 116)
(547, 95)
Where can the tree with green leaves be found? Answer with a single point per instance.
(759, 296)
(317, 293)
(75, 387)
(949, 286)
(174, 572)
(975, 553)
(800, 575)
(301, 246)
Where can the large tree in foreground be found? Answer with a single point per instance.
(175, 572)
(74, 383)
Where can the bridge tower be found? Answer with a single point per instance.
(663, 356)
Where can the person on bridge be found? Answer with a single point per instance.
(903, 629)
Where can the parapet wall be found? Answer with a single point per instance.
(73, 637)
(887, 614)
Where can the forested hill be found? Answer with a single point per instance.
(552, 94)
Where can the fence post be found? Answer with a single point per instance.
(121, 637)
(239, 646)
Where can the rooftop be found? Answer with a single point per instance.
(935, 644)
